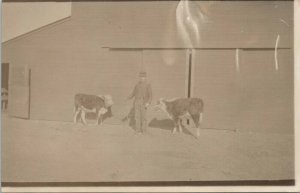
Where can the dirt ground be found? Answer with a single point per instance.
(48, 151)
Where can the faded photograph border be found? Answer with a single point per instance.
(187, 186)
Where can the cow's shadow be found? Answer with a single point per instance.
(167, 124)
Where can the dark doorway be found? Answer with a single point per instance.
(190, 73)
(4, 85)
(4, 75)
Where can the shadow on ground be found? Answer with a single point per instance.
(129, 118)
(164, 124)
(167, 124)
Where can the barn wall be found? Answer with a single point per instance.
(215, 81)
(69, 58)
(167, 72)
(115, 76)
(228, 24)
(255, 98)
(266, 94)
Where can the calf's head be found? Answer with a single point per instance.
(108, 103)
(161, 105)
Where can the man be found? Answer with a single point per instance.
(142, 95)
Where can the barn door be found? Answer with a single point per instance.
(18, 96)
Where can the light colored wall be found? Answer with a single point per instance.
(229, 24)
(167, 71)
(19, 18)
(257, 98)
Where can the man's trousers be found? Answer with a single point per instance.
(140, 116)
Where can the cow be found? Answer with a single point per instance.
(85, 103)
(183, 108)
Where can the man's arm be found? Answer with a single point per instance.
(132, 94)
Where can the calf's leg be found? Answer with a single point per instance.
(175, 125)
(99, 118)
(198, 124)
(83, 117)
(196, 118)
(174, 129)
(77, 111)
(180, 125)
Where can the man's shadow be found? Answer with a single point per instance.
(129, 119)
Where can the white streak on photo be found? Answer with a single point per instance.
(237, 61)
(283, 21)
(275, 53)
(189, 18)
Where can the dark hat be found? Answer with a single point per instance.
(143, 74)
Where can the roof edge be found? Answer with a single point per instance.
(53, 24)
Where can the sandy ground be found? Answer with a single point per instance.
(47, 151)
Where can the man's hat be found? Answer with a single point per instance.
(143, 74)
